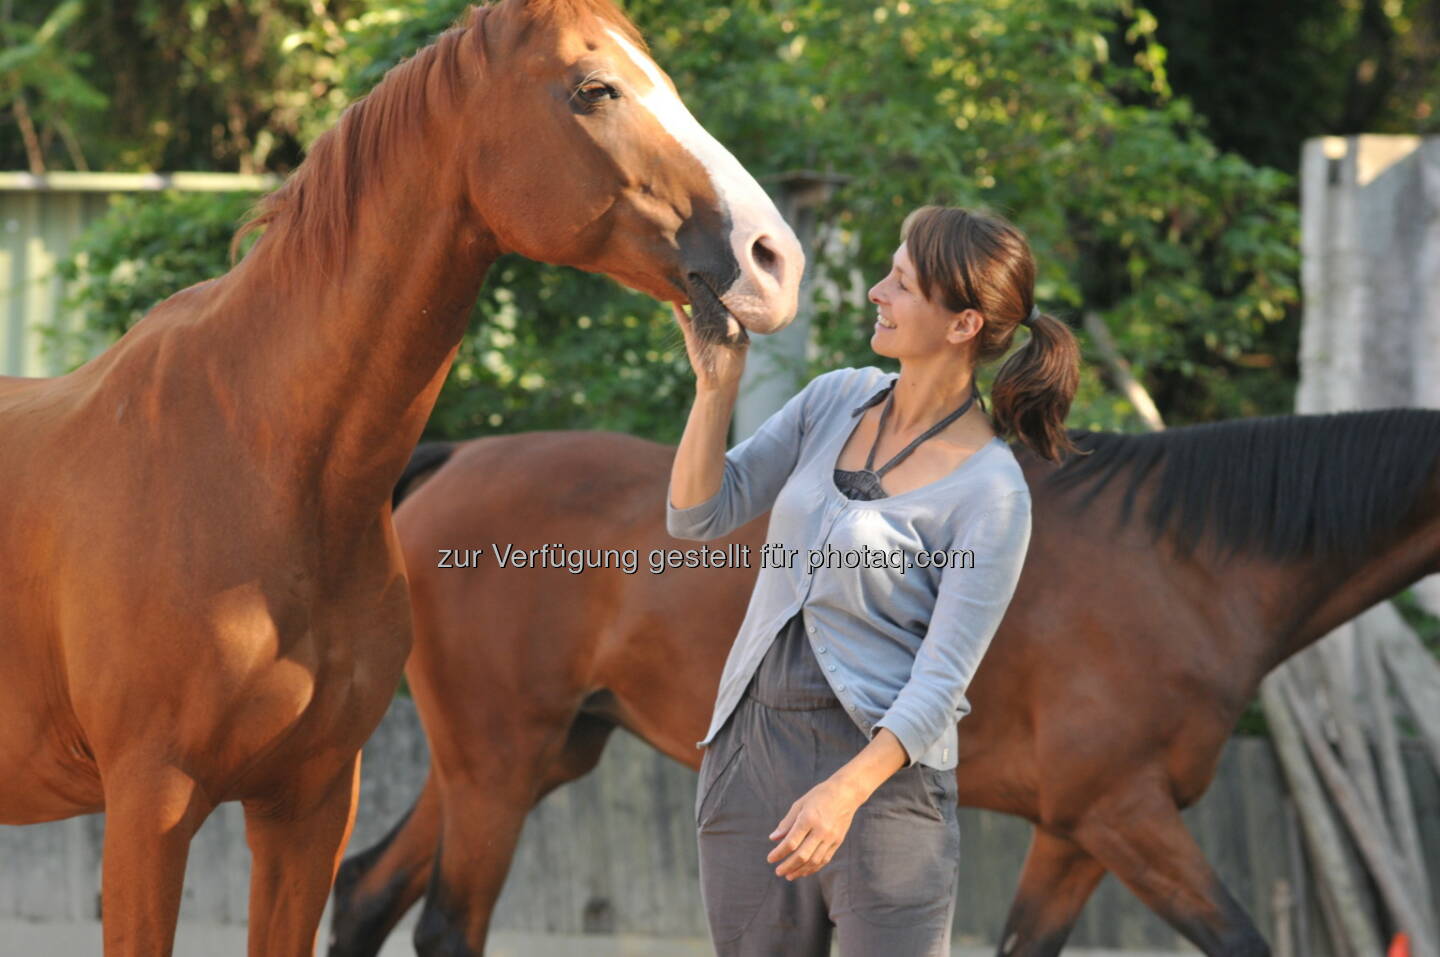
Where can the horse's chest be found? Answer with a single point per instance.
(323, 690)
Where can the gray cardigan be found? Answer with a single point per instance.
(897, 633)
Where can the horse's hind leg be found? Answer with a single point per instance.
(484, 808)
(295, 846)
(377, 886)
(1057, 880)
(1143, 840)
(151, 813)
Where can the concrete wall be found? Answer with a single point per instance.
(36, 231)
(614, 853)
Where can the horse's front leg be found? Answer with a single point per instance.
(295, 846)
(152, 810)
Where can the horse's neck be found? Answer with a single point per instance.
(1322, 595)
(342, 372)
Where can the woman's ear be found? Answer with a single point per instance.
(964, 326)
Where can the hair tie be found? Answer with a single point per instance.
(1030, 319)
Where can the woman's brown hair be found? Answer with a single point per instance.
(974, 260)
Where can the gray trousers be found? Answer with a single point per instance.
(890, 888)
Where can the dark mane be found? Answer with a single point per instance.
(310, 218)
(1284, 487)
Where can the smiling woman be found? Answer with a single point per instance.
(836, 712)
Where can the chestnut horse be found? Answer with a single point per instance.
(1130, 649)
(204, 596)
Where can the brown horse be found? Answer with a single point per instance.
(204, 599)
(1129, 650)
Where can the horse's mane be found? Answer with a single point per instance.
(1285, 486)
(309, 219)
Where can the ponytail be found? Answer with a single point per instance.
(1033, 390)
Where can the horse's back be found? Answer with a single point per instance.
(12, 383)
(549, 480)
(18, 393)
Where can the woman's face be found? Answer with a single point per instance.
(909, 325)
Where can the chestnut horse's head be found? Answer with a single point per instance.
(606, 170)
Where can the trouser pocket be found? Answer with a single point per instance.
(717, 770)
(939, 790)
(733, 818)
(906, 849)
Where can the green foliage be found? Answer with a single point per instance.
(146, 247)
(38, 56)
(40, 59)
(1188, 253)
(1267, 74)
(188, 84)
(558, 348)
(1426, 625)
(1252, 721)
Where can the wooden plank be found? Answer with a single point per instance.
(1336, 866)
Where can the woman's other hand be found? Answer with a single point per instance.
(717, 365)
(813, 829)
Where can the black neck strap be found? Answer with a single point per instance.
(888, 394)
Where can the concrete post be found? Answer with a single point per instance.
(1370, 245)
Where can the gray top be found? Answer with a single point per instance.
(900, 634)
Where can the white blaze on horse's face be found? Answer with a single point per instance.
(764, 296)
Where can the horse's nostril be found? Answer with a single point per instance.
(765, 257)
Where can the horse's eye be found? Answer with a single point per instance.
(595, 92)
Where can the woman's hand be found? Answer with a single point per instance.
(812, 831)
(816, 824)
(716, 365)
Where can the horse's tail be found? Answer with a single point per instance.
(375, 888)
(427, 457)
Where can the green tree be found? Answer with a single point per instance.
(1029, 107)
(41, 82)
(188, 84)
(145, 248)
(1268, 74)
